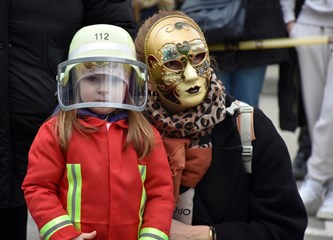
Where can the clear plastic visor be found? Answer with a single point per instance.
(102, 82)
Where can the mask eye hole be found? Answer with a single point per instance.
(198, 58)
(174, 65)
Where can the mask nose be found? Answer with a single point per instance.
(190, 73)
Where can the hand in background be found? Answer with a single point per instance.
(289, 26)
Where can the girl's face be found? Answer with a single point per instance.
(102, 88)
(102, 82)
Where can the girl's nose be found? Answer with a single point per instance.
(104, 86)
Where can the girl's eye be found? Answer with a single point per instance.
(197, 59)
(174, 65)
(91, 79)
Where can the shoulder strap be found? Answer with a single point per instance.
(245, 125)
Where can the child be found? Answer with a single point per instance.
(97, 169)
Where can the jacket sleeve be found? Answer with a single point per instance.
(288, 10)
(115, 12)
(160, 200)
(46, 168)
(275, 208)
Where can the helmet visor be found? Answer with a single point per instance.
(102, 82)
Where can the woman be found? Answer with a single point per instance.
(216, 197)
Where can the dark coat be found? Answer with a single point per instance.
(34, 38)
(263, 20)
(291, 114)
(259, 206)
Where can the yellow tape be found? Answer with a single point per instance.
(272, 43)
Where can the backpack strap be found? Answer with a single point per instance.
(245, 127)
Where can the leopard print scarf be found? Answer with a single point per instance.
(193, 123)
(181, 133)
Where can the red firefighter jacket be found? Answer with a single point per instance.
(97, 184)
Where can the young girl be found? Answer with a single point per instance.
(97, 169)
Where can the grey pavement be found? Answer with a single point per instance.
(317, 229)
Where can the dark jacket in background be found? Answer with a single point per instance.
(264, 20)
(291, 108)
(34, 38)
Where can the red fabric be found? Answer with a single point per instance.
(111, 182)
(188, 165)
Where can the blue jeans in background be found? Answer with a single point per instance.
(244, 84)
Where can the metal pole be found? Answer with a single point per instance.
(272, 43)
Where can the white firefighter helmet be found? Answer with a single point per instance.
(102, 62)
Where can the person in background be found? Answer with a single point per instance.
(144, 9)
(316, 66)
(303, 153)
(98, 153)
(34, 38)
(217, 197)
(179, 4)
(291, 109)
(243, 71)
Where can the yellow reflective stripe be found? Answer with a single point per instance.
(152, 233)
(74, 194)
(54, 225)
(142, 170)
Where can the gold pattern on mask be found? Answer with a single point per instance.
(175, 46)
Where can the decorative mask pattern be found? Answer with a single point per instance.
(178, 59)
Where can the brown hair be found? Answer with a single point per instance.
(145, 27)
(140, 132)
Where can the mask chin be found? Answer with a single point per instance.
(175, 105)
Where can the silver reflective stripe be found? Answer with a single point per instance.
(99, 46)
(57, 226)
(73, 202)
(74, 194)
(142, 172)
(144, 199)
(150, 235)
